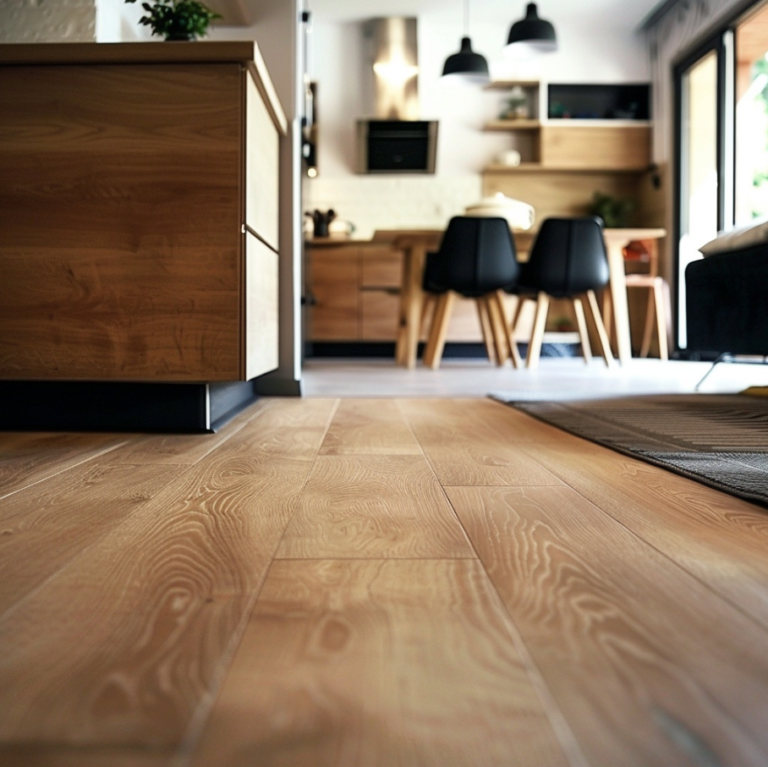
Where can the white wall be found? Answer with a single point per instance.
(118, 22)
(33, 21)
(338, 61)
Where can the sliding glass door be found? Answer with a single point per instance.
(722, 139)
(699, 204)
(751, 84)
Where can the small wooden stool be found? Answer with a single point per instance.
(646, 251)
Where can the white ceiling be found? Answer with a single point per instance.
(623, 14)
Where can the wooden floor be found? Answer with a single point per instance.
(361, 582)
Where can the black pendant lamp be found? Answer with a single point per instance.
(531, 35)
(466, 66)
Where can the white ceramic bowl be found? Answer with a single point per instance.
(519, 214)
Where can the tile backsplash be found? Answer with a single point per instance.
(393, 202)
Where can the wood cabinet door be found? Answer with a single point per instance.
(596, 147)
(380, 267)
(260, 324)
(262, 170)
(333, 283)
(120, 247)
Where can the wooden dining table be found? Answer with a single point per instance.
(416, 243)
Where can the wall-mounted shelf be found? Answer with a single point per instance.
(505, 85)
(537, 167)
(512, 125)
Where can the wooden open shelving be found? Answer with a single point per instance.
(512, 125)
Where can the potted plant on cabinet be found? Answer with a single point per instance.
(177, 19)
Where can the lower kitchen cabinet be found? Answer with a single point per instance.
(353, 292)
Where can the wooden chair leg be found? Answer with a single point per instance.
(430, 303)
(485, 327)
(650, 314)
(662, 322)
(537, 337)
(607, 314)
(498, 327)
(602, 334)
(508, 328)
(436, 341)
(667, 312)
(581, 322)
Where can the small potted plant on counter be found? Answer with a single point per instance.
(177, 19)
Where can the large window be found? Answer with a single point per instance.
(752, 118)
(722, 140)
(699, 170)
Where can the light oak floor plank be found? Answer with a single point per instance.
(475, 444)
(512, 425)
(721, 539)
(182, 449)
(648, 665)
(26, 459)
(135, 629)
(47, 525)
(373, 506)
(342, 665)
(632, 599)
(360, 428)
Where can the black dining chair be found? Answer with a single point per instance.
(568, 260)
(476, 260)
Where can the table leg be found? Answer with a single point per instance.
(415, 302)
(618, 287)
(401, 343)
(411, 303)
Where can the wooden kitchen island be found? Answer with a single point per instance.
(138, 233)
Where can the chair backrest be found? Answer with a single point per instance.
(476, 256)
(567, 257)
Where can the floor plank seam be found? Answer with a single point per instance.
(109, 531)
(563, 732)
(398, 404)
(437, 480)
(761, 624)
(193, 734)
(556, 717)
(65, 469)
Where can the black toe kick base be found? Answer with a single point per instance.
(131, 407)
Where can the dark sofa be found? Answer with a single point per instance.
(727, 304)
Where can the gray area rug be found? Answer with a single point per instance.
(718, 439)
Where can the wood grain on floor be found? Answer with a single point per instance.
(377, 506)
(29, 458)
(377, 582)
(134, 629)
(476, 445)
(636, 651)
(355, 664)
(359, 429)
(721, 539)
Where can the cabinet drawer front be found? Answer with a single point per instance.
(380, 313)
(334, 314)
(381, 267)
(333, 266)
(261, 319)
(262, 172)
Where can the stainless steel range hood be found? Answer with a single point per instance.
(395, 140)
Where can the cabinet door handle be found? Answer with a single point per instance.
(308, 300)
